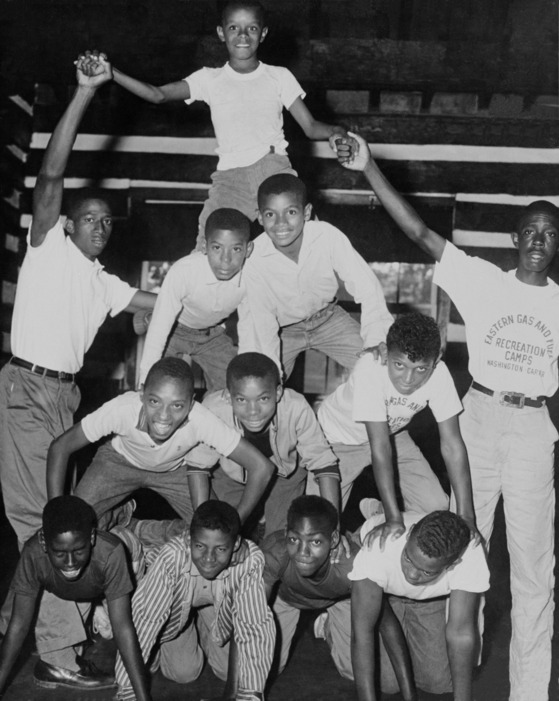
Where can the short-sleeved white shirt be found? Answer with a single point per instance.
(246, 110)
(384, 567)
(62, 298)
(123, 415)
(512, 329)
(192, 292)
(369, 395)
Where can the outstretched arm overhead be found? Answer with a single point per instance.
(171, 92)
(401, 211)
(47, 195)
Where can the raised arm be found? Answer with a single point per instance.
(47, 195)
(57, 459)
(120, 615)
(461, 639)
(366, 604)
(455, 457)
(18, 628)
(312, 127)
(383, 470)
(259, 472)
(401, 211)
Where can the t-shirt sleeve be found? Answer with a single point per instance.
(119, 293)
(370, 564)
(26, 579)
(214, 432)
(471, 573)
(290, 89)
(444, 401)
(107, 419)
(197, 84)
(368, 390)
(117, 575)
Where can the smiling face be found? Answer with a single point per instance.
(166, 403)
(242, 31)
(227, 251)
(90, 227)
(283, 217)
(69, 553)
(418, 568)
(309, 543)
(407, 376)
(254, 401)
(537, 240)
(211, 550)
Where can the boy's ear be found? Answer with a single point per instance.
(93, 537)
(514, 237)
(264, 34)
(42, 540)
(335, 539)
(220, 34)
(238, 542)
(204, 246)
(259, 216)
(383, 352)
(308, 211)
(69, 225)
(279, 392)
(250, 249)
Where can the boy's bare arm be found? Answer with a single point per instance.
(259, 472)
(57, 458)
(455, 457)
(171, 92)
(126, 640)
(366, 603)
(383, 470)
(401, 211)
(47, 195)
(311, 126)
(140, 301)
(18, 628)
(397, 648)
(461, 640)
(199, 487)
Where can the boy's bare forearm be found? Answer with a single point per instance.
(146, 91)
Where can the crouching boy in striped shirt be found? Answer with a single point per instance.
(194, 572)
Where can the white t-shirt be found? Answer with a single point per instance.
(246, 110)
(123, 416)
(512, 329)
(192, 292)
(384, 567)
(369, 395)
(62, 299)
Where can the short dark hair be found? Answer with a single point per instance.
(279, 184)
(227, 219)
(67, 513)
(538, 207)
(77, 197)
(313, 507)
(251, 365)
(174, 368)
(216, 516)
(442, 534)
(415, 335)
(253, 5)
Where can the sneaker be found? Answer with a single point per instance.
(370, 507)
(49, 676)
(319, 627)
(101, 623)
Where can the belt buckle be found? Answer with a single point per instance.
(508, 399)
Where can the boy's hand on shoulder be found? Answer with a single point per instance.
(353, 151)
(389, 529)
(379, 353)
(475, 534)
(241, 554)
(343, 547)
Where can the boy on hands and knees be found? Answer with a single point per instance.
(69, 558)
(512, 332)
(63, 296)
(202, 290)
(292, 279)
(246, 99)
(153, 431)
(282, 426)
(193, 572)
(299, 575)
(436, 558)
(364, 420)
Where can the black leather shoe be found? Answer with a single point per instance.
(88, 678)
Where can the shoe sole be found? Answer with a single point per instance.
(67, 685)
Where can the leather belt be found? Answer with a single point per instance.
(517, 400)
(44, 372)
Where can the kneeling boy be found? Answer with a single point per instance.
(437, 558)
(154, 430)
(282, 425)
(365, 417)
(75, 562)
(193, 572)
(299, 561)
